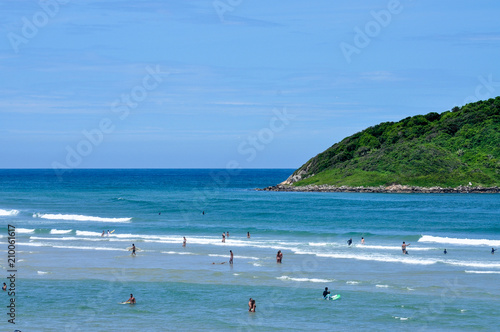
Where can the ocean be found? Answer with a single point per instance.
(68, 277)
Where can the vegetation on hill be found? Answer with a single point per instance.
(448, 149)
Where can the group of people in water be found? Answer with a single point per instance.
(279, 259)
(404, 245)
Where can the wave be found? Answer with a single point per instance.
(25, 230)
(85, 233)
(451, 240)
(5, 213)
(60, 231)
(89, 248)
(177, 253)
(474, 264)
(485, 272)
(405, 260)
(42, 272)
(78, 217)
(364, 246)
(304, 279)
(352, 282)
(382, 286)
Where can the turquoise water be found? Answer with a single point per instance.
(69, 278)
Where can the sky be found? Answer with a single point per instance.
(228, 83)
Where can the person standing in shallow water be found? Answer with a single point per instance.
(362, 240)
(184, 241)
(231, 257)
(248, 235)
(403, 247)
(279, 256)
(251, 305)
(224, 237)
(493, 251)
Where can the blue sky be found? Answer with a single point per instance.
(207, 84)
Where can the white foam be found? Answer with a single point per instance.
(85, 233)
(481, 272)
(31, 244)
(381, 258)
(475, 264)
(6, 213)
(451, 240)
(304, 279)
(177, 253)
(364, 246)
(382, 286)
(78, 217)
(25, 230)
(68, 238)
(89, 248)
(42, 272)
(352, 282)
(401, 318)
(60, 231)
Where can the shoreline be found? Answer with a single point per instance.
(395, 188)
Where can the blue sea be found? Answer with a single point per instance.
(71, 278)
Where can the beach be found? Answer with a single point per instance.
(71, 278)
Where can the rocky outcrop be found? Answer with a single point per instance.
(395, 188)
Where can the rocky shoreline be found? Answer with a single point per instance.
(396, 188)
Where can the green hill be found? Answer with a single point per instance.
(448, 149)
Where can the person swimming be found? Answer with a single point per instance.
(493, 250)
(445, 252)
(349, 242)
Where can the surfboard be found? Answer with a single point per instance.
(111, 231)
(136, 249)
(127, 302)
(332, 297)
